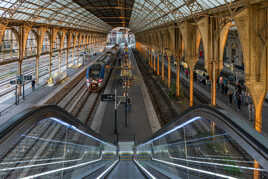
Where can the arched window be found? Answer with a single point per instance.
(46, 43)
(31, 44)
(9, 48)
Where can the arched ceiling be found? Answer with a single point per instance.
(147, 14)
(140, 15)
(64, 13)
(104, 15)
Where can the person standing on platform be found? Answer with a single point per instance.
(33, 85)
(238, 100)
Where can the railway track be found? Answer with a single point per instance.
(199, 99)
(160, 100)
(80, 103)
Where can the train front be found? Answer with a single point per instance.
(95, 77)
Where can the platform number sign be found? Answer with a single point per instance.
(13, 82)
(28, 77)
(107, 97)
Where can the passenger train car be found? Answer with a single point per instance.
(97, 74)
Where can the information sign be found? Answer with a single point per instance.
(107, 97)
(20, 77)
(13, 82)
(28, 77)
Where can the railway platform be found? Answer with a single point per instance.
(142, 118)
(222, 100)
(32, 98)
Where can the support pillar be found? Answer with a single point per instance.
(60, 55)
(40, 41)
(214, 38)
(163, 66)
(150, 61)
(256, 173)
(37, 68)
(24, 32)
(178, 80)
(191, 87)
(191, 39)
(154, 63)
(213, 85)
(252, 29)
(63, 36)
(19, 74)
(169, 71)
(2, 32)
(157, 57)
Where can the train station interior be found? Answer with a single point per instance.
(133, 89)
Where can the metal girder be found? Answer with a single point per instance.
(178, 11)
(8, 13)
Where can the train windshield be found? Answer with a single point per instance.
(95, 71)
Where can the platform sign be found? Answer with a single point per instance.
(19, 81)
(107, 97)
(28, 77)
(13, 82)
(20, 78)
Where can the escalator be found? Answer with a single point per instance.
(203, 142)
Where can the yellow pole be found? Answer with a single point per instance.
(151, 62)
(213, 86)
(169, 71)
(256, 174)
(154, 64)
(157, 57)
(258, 116)
(163, 68)
(191, 87)
(150, 59)
(178, 80)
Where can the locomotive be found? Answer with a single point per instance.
(95, 76)
(97, 73)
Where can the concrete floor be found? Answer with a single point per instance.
(138, 121)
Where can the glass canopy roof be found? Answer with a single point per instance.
(145, 14)
(56, 12)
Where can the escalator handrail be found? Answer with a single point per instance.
(246, 136)
(24, 118)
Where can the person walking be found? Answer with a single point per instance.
(33, 85)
